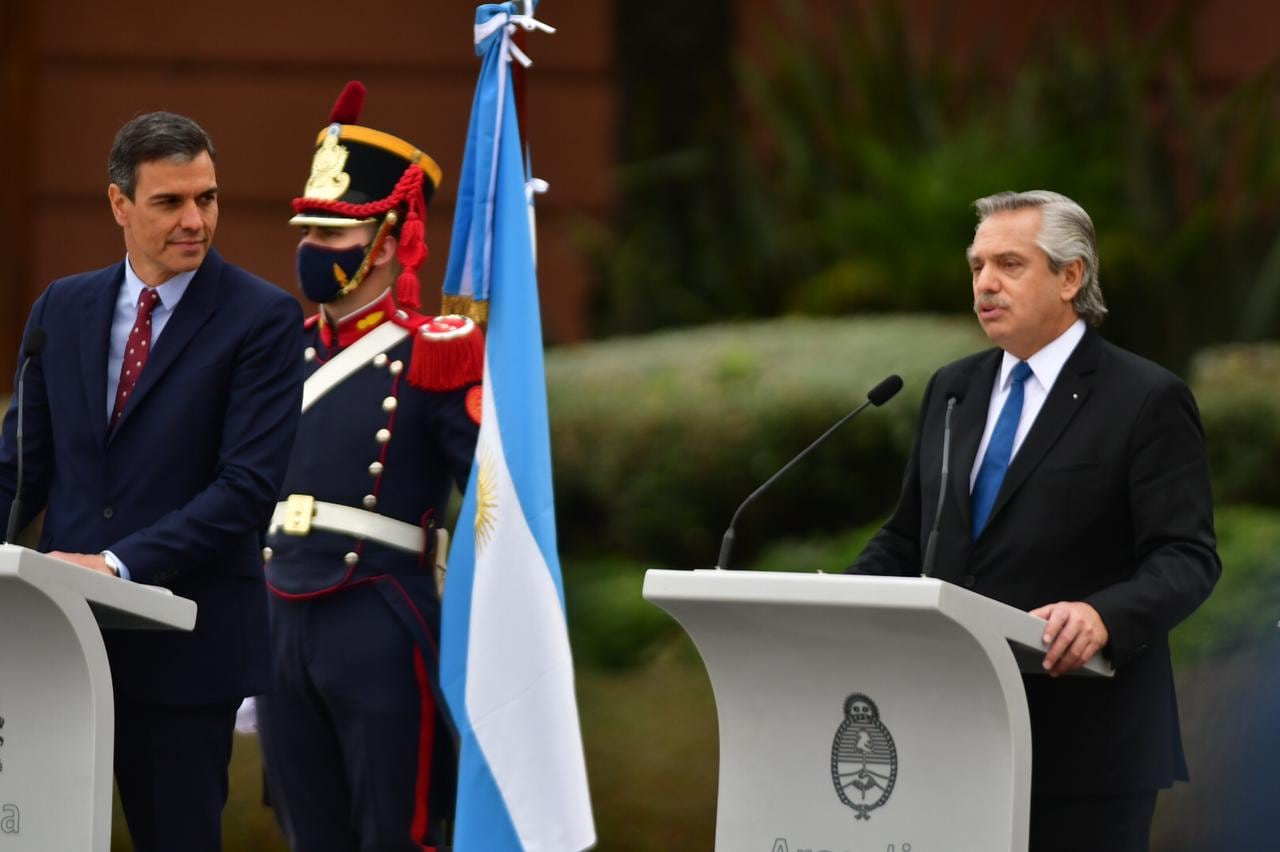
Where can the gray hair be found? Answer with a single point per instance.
(1066, 233)
(154, 136)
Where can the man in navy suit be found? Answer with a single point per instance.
(1080, 492)
(158, 425)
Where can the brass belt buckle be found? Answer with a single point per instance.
(299, 510)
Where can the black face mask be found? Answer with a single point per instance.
(325, 273)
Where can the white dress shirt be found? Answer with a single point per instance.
(1045, 367)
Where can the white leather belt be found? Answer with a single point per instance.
(300, 513)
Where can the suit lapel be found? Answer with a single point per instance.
(1068, 394)
(967, 427)
(97, 312)
(195, 309)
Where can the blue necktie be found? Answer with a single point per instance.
(996, 462)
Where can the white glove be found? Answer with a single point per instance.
(247, 717)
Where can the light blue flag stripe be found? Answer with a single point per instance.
(491, 256)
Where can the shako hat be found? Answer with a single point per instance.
(360, 175)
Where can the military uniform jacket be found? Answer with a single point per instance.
(380, 442)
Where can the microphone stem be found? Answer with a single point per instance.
(726, 545)
(15, 508)
(931, 549)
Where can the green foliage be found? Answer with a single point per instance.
(860, 160)
(829, 554)
(1242, 611)
(1238, 391)
(651, 740)
(611, 624)
(657, 439)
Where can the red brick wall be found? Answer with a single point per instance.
(260, 77)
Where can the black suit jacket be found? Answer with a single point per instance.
(1107, 501)
(183, 488)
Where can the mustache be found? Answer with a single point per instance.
(989, 302)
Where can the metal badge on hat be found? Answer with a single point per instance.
(328, 181)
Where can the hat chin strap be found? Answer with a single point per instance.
(412, 249)
(375, 248)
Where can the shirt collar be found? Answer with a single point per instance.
(170, 291)
(359, 322)
(1049, 361)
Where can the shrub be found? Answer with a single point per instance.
(657, 439)
(611, 625)
(1238, 390)
(1242, 611)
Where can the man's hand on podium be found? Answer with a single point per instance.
(1075, 633)
(92, 561)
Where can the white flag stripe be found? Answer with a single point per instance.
(519, 694)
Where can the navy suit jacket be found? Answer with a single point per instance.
(1107, 501)
(183, 488)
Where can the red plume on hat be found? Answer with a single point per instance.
(347, 108)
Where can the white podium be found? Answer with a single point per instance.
(863, 714)
(58, 718)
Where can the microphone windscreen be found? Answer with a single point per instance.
(885, 391)
(35, 342)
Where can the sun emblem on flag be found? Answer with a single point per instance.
(486, 500)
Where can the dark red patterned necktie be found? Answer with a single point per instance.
(135, 351)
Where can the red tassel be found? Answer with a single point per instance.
(408, 289)
(347, 108)
(411, 252)
(449, 360)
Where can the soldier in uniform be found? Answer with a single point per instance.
(358, 749)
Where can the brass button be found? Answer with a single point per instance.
(383, 436)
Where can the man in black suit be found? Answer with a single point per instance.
(1079, 492)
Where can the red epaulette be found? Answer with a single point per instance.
(448, 351)
(310, 322)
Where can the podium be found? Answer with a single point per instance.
(57, 717)
(863, 714)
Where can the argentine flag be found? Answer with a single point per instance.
(505, 664)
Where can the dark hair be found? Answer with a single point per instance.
(154, 136)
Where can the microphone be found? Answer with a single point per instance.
(34, 345)
(931, 549)
(877, 396)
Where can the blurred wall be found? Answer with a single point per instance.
(261, 77)
(1232, 38)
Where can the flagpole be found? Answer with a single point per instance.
(519, 76)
